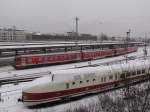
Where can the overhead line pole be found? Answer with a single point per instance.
(126, 43)
(76, 28)
(145, 48)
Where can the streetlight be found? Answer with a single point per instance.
(76, 29)
(126, 43)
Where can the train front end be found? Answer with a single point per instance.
(37, 92)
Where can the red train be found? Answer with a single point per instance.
(31, 60)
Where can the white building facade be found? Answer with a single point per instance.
(12, 34)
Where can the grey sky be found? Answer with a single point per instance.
(112, 17)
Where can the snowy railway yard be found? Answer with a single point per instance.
(11, 92)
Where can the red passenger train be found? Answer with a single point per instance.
(77, 54)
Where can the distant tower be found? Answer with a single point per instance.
(77, 19)
(14, 32)
(126, 43)
(76, 29)
(145, 48)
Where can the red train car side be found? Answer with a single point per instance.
(62, 57)
(31, 60)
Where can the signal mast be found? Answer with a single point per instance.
(145, 47)
(126, 43)
(76, 29)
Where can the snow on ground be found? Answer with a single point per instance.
(6, 68)
(10, 93)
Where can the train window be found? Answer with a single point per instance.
(67, 85)
(116, 77)
(80, 82)
(143, 71)
(94, 79)
(23, 60)
(149, 70)
(87, 80)
(45, 58)
(40, 60)
(19, 60)
(133, 73)
(110, 77)
(73, 83)
(122, 76)
(65, 56)
(76, 48)
(30, 60)
(58, 57)
(127, 74)
(70, 56)
(101, 79)
(55, 57)
(49, 58)
(138, 71)
(78, 56)
(104, 79)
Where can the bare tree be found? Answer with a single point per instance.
(135, 100)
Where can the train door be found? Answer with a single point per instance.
(114, 52)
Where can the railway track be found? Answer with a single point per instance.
(22, 78)
(6, 61)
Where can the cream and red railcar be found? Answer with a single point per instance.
(80, 81)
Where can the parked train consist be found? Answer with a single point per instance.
(72, 54)
(63, 84)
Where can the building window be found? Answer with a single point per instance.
(80, 82)
(87, 80)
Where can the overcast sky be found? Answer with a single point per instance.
(112, 17)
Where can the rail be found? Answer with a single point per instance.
(21, 78)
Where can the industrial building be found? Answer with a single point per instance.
(12, 34)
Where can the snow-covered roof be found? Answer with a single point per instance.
(52, 45)
(69, 74)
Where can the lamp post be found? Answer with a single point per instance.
(145, 49)
(76, 29)
(126, 43)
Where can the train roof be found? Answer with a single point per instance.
(30, 46)
(19, 44)
(70, 74)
